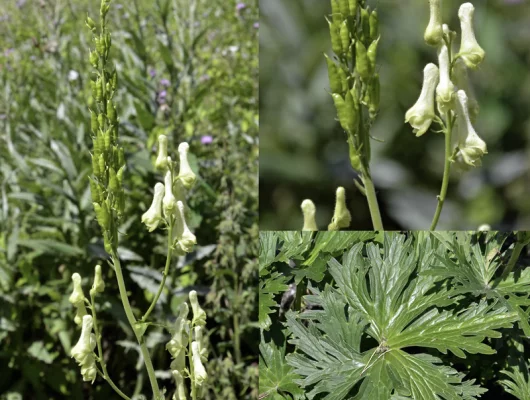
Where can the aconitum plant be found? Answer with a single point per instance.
(188, 346)
(446, 98)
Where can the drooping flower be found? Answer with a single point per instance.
(77, 297)
(177, 345)
(169, 202)
(199, 315)
(470, 50)
(82, 352)
(421, 114)
(184, 239)
(186, 175)
(199, 372)
(341, 216)
(161, 159)
(152, 217)
(180, 391)
(445, 89)
(433, 33)
(309, 210)
(471, 147)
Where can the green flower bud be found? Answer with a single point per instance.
(355, 158)
(111, 112)
(102, 215)
(344, 8)
(180, 391)
(199, 373)
(169, 203)
(341, 216)
(184, 239)
(186, 175)
(335, 82)
(334, 31)
(161, 159)
(347, 111)
(421, 114)
(113, 181)
(152, 217)
(91, 24)
(365, 24)
(445, 89)
(94, 58)
(199, 315)
(471, 146)
(372, 54)
(94, 125)
(433, 33)
(335, 11)
(309, 211)
(353, 7)
(470, 51)
(374, 91)
(344, 36)
(98, 285)
(94, 191)
(362, 63)
(77, 297)
(374, 25)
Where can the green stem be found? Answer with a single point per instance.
(447, 168)
(371, 197)
(164, 277)
(100, 350)
(133, 323)
(513, 258)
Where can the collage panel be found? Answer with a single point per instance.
(129, 199)
(394, 315)
(417, 109)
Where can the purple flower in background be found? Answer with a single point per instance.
(152, 72)
(165, 82)
(256, 25)
(240, 6)
(206, 139)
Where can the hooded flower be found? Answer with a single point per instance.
(82, 352)
(186, 175)
(169, 202)
(462, 83)
(161, 159)
(152, 217)
(183, 238)
(198, 369)
(433, 33)
(176, 346)
(341, 216)
(470, 51)
(77, 297)
(180, 388)
(202, 340)
(309, 210)
(445, 88)
(471, 146)
(421, 114)
(199, 315)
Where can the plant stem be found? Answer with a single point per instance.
(447, 168)
(164, 277)
(100, 350)
(133, 323)
(518, 247)
(371, 197)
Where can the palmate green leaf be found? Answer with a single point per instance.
(275, 376)
(518, 381)
(383, 293)
(268, 288)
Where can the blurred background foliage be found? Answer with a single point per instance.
(188, 69)
(303, 149)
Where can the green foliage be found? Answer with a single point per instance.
(48, 228)
(399, 316)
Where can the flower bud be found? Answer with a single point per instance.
(99, 285)
(77, 297)
(362, 63)
(421, 114)
(345, 36)
(169, 203)
(341, 216)
(186, 175)
(309, 210)
(471, 146)
(365, 24)
(433, 33)
(445, 88)
(91, 24)
(470, 51)
(185, 239)
(199, 315)
(335, 81)
(334, 32)
(180, 391)
(161, 159)
(374, 25)
(152, 217)
(199, 373)
(461, 79)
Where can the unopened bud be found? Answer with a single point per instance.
(309, 211)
